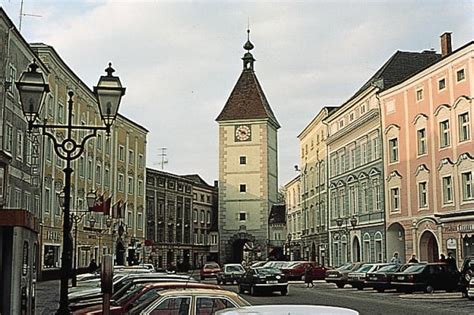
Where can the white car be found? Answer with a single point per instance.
(288, 309)
(470, 289)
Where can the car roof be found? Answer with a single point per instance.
(196, 291)
(180, 285)
(233, 265)
(288, 309)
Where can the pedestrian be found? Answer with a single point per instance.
(395, 259)
(413, 259)
(308, 276)
(442, 258)
(92, 266)
(451, 261)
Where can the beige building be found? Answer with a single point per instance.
(314, 189)
(113, 166)
(294, 219)
(248, 167)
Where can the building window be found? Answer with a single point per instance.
(395, 199)
(203, 216)
(9, 138)
(130, 185)
(421, 136)
(89, 169)
(139, 221)
(19, 143)
(464, 127)
(99, 141)
(243, 160)
(444, 134)
(107, 145)
(131, 157)
(422, 195)
(460, 75)
(208, 217)
(242, 216)
(48, 149)
(140, 188)
(47, 200)
(447, 190)
(442, 84)
(98, 173)
(140, 160)
(353, 157)
(467, 186)
(11, 78)
(243, 188)
(375, 148)
(365, 154)
(107, 177)
(419, 95)
(195, 214)
(121, 154)
(120, 182)
(60, 113)
(81, 166)
(376, 195)
(393, 148)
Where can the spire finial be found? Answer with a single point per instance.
(248, 58)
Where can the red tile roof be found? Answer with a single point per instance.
(247, 101)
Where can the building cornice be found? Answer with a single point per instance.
(372, 114)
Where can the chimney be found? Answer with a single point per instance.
(446, 48)
(216, 183)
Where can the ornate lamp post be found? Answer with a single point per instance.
(352, 221)
(33, 88)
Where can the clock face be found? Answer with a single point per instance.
(242, 133)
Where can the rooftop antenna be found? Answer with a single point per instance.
(24, 14)
(163, 155)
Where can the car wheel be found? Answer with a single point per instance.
(224, 282)
(429, 289)
(360, 288)
(381, 290)
(202, 278)
(284, 291)
(241, 289)
(302, 278)
(471, 298)
(253, 290)
(340, 285)
(218, 281)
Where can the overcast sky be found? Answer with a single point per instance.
(180, 59)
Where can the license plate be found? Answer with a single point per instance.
(332, 276)
(272, 282)
(400, 277)
(373, 278)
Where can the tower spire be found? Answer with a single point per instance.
(248, 57)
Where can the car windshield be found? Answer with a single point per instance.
(267, 271)
(414, 269)
(234, 269)
(347, 266)
(388, 268)
(129, 294)
(293, 265)
(211, 266)
(364, 268)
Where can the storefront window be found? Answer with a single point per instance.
(51, 256)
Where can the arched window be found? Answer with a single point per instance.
(367, 249)
(378, 247)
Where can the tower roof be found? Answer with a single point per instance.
(247, 100)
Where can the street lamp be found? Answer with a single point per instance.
(353, 222)
(32, 89)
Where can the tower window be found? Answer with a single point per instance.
(242, 216)
(243, 160)
(243, 188)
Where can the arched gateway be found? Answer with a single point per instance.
(244, 247)
(428, 247)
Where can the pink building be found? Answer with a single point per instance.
(429, 158)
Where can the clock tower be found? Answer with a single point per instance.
(248, 167)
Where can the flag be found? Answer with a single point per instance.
(98, 205)
(122, 209)
(106, 206)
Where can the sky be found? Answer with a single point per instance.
(180, 60)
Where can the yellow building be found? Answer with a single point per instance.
(113, 166)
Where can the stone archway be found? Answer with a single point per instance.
(428, 247)
(355, 249)
(243, 245)
(395, 241)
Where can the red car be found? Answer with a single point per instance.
(140, 294)
(296, 271)
(210, 270)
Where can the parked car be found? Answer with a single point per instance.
(278, 264)
(426, 277)
(263, 279)
(470, 289)
(140, 294)
(292, 309)
(296, 271)
(258, 263)
(467, 274)
(381, 279)
(210, 270)
(190, 301)
(357, 278)
(95, 293)
(230, 273)
(339, 275)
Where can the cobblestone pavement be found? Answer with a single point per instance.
(47, 297)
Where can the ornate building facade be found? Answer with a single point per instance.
(429, 158)
(248, 167)
(294, 219)
(181, 220)
(314, 188)
(113, 166)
